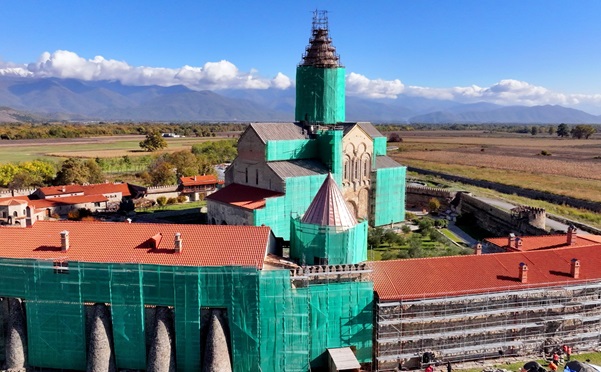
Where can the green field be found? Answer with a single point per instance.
(102, 147)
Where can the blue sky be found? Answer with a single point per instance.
(508, 52)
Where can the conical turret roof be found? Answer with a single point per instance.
(329, 208)
(320, 52)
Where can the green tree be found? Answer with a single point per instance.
(216, 152)
(551, 130)
(563, 130)
(426, 223)
(534, 130)
(415, 246)
(153, 142)
(583, 131)
(375, 236)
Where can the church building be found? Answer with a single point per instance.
(281, 166)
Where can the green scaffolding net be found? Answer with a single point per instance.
(380, 144)
(310, 244)
(290, 150)
(330, 151)
(389, 203)
(320, 96)
(277, 212)
(272, 325)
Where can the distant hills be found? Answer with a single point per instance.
(28, 99)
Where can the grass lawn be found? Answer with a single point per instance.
(103, 147)
(175, 207)
(449, 234)
(595, 358)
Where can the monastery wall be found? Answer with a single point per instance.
(495, 220)
(418, 197)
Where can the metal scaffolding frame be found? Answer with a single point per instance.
(487, 325)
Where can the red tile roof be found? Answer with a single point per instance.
(243, 196)
(59, 190)
(457, 275)
(12, 201)
(92, 189)
(199, 180)
(110, 242)
(106, 188)
(531, 243)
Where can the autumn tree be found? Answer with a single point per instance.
(583, 131)
(534, 130)
(76, 171)
(433, 205)
(162, 173)
(153, 142)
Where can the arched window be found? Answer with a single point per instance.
(366, 166)
(347, 165)
(356, 171)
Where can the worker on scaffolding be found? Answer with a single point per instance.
(555, 358)
(429, 368)
(567, 350)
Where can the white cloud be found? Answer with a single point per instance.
(504, 92)
(359, 85)
(212, 75)
(281, 81)
(225, 75)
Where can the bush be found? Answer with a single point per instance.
(161, 201)
(545, 153)
(182, 199)
(406, 229)
(441, 223)
(171, 201)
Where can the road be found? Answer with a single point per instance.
(461, 234)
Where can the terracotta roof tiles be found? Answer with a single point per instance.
(451, 276)
(110, 242)
(199, 180)
(243, 196)
(530, 243)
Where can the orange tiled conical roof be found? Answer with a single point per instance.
(329, 208)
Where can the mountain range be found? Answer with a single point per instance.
(33, 99)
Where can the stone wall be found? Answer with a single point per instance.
(222, 214)
(494, 220)
(417, 197)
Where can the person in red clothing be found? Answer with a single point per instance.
(429, 368)
(556, 358)
(553, 367)
(568, 352)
